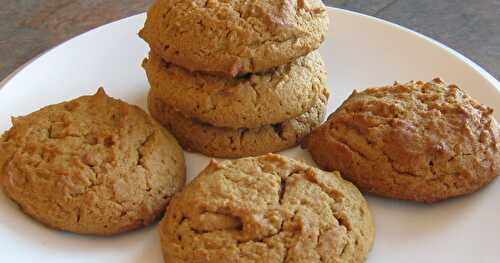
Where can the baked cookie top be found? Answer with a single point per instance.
(93, 165)
(234, 37)
(417, 141)
(267, 209)
(245, 102)
(232, 143)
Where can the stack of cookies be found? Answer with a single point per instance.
(236, 78)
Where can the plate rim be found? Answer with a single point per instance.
(449, 51)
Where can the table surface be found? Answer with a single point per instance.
(29, 27)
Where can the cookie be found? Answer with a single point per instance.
(250, 102)
(230, 143)
(417, 141)
(231, 38)
(267, 209)
(92, 165)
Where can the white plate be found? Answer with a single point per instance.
(360, 51)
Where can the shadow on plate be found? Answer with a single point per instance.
(37, 236)
(396, 219)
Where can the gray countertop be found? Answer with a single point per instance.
(29, 27)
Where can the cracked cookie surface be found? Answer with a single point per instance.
(416, 141)
(234, 37)
(245, 102)
(92, 165)
(267, 209)
(230, 143)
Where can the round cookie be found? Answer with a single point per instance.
(267, 209)
(418, 141)
(231, 38)
(230, 143)
(251, 101)
(93, 165)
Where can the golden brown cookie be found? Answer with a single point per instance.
(92, 165)
(267, 209)
(418, 141)
(231, 38)
(230, 143)
(246, 102)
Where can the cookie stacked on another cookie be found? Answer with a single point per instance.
(236, 78)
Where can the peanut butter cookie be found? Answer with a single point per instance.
(418, 141)
(245, 102)
(233, 37)
(230, 143)
(93, 165)
(267, 209)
